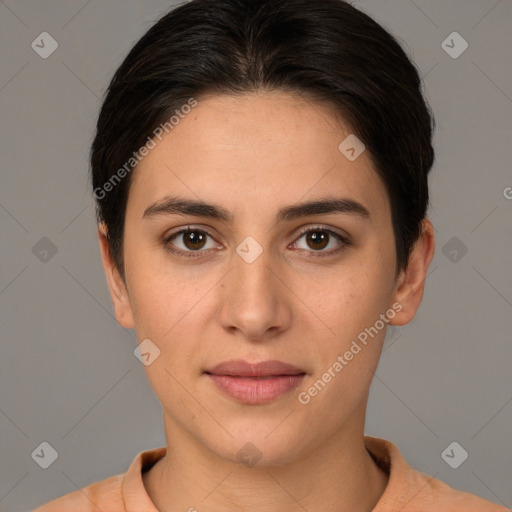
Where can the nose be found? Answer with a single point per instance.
(256, 300)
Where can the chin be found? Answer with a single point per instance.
(257, 448)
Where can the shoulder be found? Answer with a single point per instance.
(443, 498)
(409, 490)
(105, 496)
(114, 494)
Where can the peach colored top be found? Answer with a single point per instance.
(407, 490)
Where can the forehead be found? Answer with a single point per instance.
(257, 149)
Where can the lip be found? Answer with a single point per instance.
(257, 383)
(241, 368)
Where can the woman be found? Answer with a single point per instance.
(260, 170)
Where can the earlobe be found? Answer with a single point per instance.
(117, 286)
(411, 281)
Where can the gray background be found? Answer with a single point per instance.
(68, 375)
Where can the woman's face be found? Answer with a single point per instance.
(255, 287)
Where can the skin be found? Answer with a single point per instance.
(252, 155)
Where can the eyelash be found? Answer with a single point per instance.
(345, 242)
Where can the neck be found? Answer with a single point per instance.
(336, 476)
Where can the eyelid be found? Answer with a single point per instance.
(342, 237)
(193, 254)
(328, 229)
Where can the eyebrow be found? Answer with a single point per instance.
(178, 205)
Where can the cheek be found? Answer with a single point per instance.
(348, 352)
(159, 293)
(161, 304)
(166, 310)
(351, 299)
(350, 306)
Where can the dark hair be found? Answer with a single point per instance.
(327, 49)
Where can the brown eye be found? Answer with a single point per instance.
(193, 240)
(189, 242)
(317, 239)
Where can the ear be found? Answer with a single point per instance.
(116, 284)
(411, 281)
